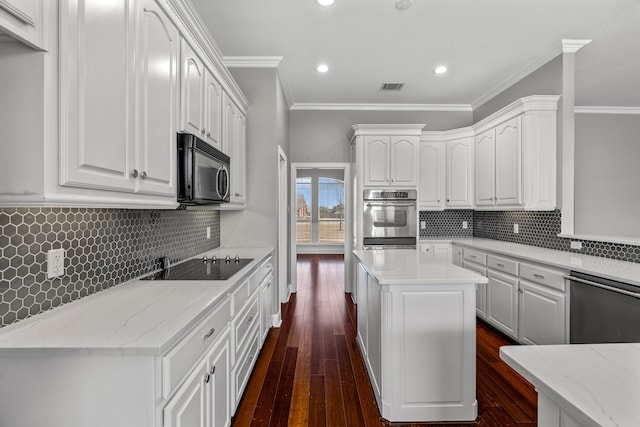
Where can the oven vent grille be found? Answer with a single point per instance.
(392, 86)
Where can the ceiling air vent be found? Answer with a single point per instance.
(391, 86)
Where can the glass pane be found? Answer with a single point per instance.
(331, 211)
(303, 210)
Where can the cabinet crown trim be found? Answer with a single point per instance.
(386, 129)
(520, 106)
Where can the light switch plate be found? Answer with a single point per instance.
(423, 225)
(576, 245)
(208, 232)
(465, 224)
(516, 228)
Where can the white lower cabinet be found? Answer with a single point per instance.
(203, 400)
(439, 250)
(525, 301)
(374, 332)
(456, 255)
(502, 303)
(361, 283)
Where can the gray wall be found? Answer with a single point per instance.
(546, 80)
(607, 175)
(321, 136)
(267, 127)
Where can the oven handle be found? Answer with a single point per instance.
(601, 286)
(394, 204)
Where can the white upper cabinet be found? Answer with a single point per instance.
(97, 95)
(234, 144)
(390, 160)
(24, 20)
(403, 164)
(515, 151)
(118, 116)
(192, 92)
(459, 172)
(376, 160)
(508, 163)
(157, 100)
(200, 112)
(485, 168)
(431, 174)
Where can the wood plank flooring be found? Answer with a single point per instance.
(310, 372)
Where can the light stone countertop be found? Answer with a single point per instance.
(136, 317)
(409, 266)
(597, 384)
(623, 271)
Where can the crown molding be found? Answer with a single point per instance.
(380, 107)
(252, 61)
(606, 110)
(573, 45)
(385, 129)
(517, 77)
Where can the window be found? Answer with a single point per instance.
(319, 209)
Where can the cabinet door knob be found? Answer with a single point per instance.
(202, 131)
(143, 175)
(447, 200)
(212, 370)
(134, 173)
(207, 378)
(208, 133)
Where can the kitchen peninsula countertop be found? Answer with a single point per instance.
(595, 384)
(137, 317)
(623, 271)
(406, 266)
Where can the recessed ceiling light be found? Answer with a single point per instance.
(325, 2)
(322, 68)
(440, 70)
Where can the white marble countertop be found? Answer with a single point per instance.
(597, 384)
(628, 272)
(136, 317)
(409, 266)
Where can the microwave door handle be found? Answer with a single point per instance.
(218, 182)
(226, 186)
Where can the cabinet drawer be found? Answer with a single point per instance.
(265, 269)
(474, 256)
(544, 276)
(244, 366)
(243, 323)
(181, 358)
(503, 264)
(240, 295)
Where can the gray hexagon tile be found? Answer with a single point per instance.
(446, 223)
(103, 247)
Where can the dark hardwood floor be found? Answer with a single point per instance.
(310, 372)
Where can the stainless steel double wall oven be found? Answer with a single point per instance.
(390, 219)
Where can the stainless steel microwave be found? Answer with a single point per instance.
(203, 172)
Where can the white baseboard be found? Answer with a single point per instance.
(276, 320)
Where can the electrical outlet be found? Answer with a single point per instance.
(55, 263)
(423, 225)
(516, 228)
(576, 245)
(208, 232)
(465, 224)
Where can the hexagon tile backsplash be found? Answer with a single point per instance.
(103, 247)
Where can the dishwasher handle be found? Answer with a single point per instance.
(601, 286)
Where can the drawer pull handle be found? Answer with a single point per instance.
(208, 334)
(472, 256)
(207, 378)
(500, 265)
(539, 276)
(213, 370)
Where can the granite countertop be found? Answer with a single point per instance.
(628, 272)
(137, 317)
(597, 384)
(407, 266)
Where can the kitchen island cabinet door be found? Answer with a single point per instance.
(374, 332)
(362, 308)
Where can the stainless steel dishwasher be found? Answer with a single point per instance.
(603, 310)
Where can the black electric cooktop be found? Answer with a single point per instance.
(202, 269)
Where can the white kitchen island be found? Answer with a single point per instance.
(416, 331)
(581, 385)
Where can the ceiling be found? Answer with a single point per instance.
(484, 43)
